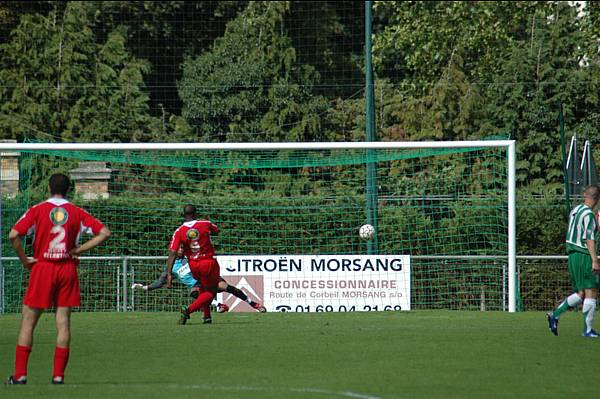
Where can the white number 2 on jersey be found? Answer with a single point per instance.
(195, 249)
(57, 244)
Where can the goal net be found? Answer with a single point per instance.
(289, 216)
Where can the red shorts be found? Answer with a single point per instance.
(53, 284)
(207, 272)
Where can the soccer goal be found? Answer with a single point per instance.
(289, 214)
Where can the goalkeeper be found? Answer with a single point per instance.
(182, 271)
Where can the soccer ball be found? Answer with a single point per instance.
(366, 231)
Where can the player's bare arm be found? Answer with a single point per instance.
(92, 243)
(17, 244)
(170, 261)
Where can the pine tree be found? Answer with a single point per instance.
(59, 84)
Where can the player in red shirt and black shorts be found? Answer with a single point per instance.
(57, 225)
(195, 236)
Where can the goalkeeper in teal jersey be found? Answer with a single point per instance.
(584, 267)
(181, 270)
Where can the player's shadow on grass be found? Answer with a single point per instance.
(221, 323)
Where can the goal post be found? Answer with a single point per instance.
(447, 198)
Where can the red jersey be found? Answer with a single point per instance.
(57, 225)
(195, 236)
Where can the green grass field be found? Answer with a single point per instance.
(421, 354)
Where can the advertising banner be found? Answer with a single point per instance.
(318, 283)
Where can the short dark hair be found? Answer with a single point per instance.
(189, 211)
(593, 192)
(59, 184)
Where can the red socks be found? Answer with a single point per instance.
(61, 357)
(21, 360)
(203, 299)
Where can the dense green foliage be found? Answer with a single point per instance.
(77, 87)
(250, 85)
(293, 71)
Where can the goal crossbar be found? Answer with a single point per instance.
(379, 145)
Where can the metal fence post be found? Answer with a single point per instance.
(1, 286)
(118, 288)
(132, 291)
(124, 276)
(504, 286)
(1, 244)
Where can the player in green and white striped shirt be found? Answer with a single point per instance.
(583, 263)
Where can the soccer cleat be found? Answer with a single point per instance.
(552, 323)
(222, 308)
(207, 320)
(12, 381)
(591, 334)
(139, 286)
(185, 316)
(58, 380)
(259, 307)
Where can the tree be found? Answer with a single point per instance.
(450, 110)
(329, 35)
(414, 40)
(538, 73)
(163, 33)
(58, 83)
(249, 86)
(459, 70)
(11, 11)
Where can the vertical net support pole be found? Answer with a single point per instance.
(372, 244)
(512, 229)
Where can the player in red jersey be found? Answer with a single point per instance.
(57, 225)
(182, 271)
(195, 236)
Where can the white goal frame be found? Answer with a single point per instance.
(510, 146)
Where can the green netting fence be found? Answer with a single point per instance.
(430, 203)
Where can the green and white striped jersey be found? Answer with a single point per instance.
(582, 226)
